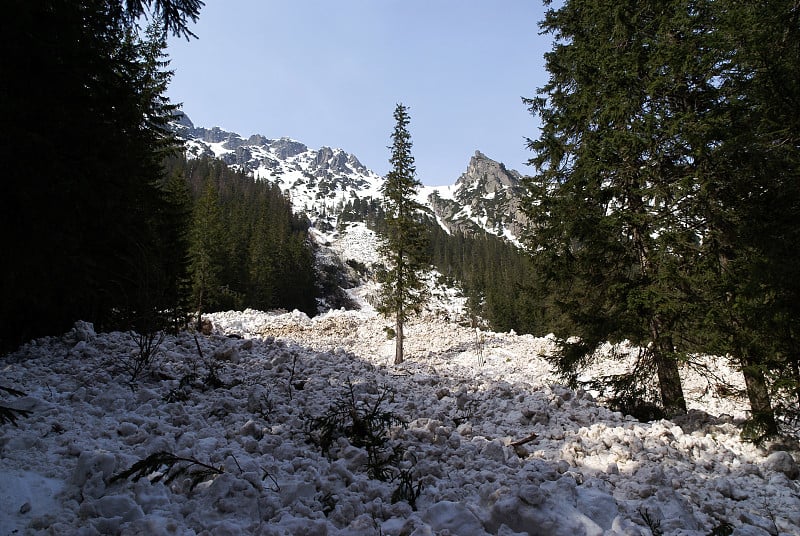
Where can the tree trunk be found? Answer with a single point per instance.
(758, 395)
(796, 377)
(669, 379)
(398, 347)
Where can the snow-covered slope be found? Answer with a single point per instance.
(491, 445)
(320, 181)
(351, 250)
(317, 181)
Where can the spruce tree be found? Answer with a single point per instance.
(262, 277)
(665, 206)
(206, 241)
(82, 85)
(404, 246)
(751, 294)
(172, 227)
(174, 14)
(612, 205)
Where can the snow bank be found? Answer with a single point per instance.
(493, 444)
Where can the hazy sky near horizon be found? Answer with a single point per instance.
(331, 73)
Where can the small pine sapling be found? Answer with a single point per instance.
(652, 523)
(406, 490)
(148, 344)
(723, 529)
(480, 343)
(365, 424)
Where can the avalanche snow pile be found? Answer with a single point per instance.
(491, 443)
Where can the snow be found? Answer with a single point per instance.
(299, 174)
(444, 192)
(577, 468)
(357, 242)
(219, 149)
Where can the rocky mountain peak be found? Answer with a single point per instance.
(484, 198)
(486, 176)
(183, 120)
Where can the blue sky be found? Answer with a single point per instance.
(331, 73)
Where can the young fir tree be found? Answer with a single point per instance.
(405, 243)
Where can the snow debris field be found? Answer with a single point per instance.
(285, 425)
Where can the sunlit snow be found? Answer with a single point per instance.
(492, 442)
(467, 398)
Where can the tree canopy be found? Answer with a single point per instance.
(84, 126)
(651, 160)
(245, 246)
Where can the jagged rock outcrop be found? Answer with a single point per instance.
(283, 148)
(485, 197)
(487, 176)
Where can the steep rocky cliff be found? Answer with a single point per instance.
(486, 196)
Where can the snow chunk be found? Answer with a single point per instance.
(782, 462)
(452, 516)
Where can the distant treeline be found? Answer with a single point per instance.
(245, 247)
(94, 226)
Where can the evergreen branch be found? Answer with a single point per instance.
(10, 415)
(11, 391)
(168, 467)
(653, 523)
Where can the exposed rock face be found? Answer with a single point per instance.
(335, 161)
(283, 147)
(486, 175)
(449, 214)
(487, 196)
(182, 120)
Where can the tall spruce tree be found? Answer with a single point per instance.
(751, 295)
(665, 206)
(206, 242)
(404, 247)
(615, 227)
(79, 85)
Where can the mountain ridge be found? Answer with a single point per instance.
(486, 197)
